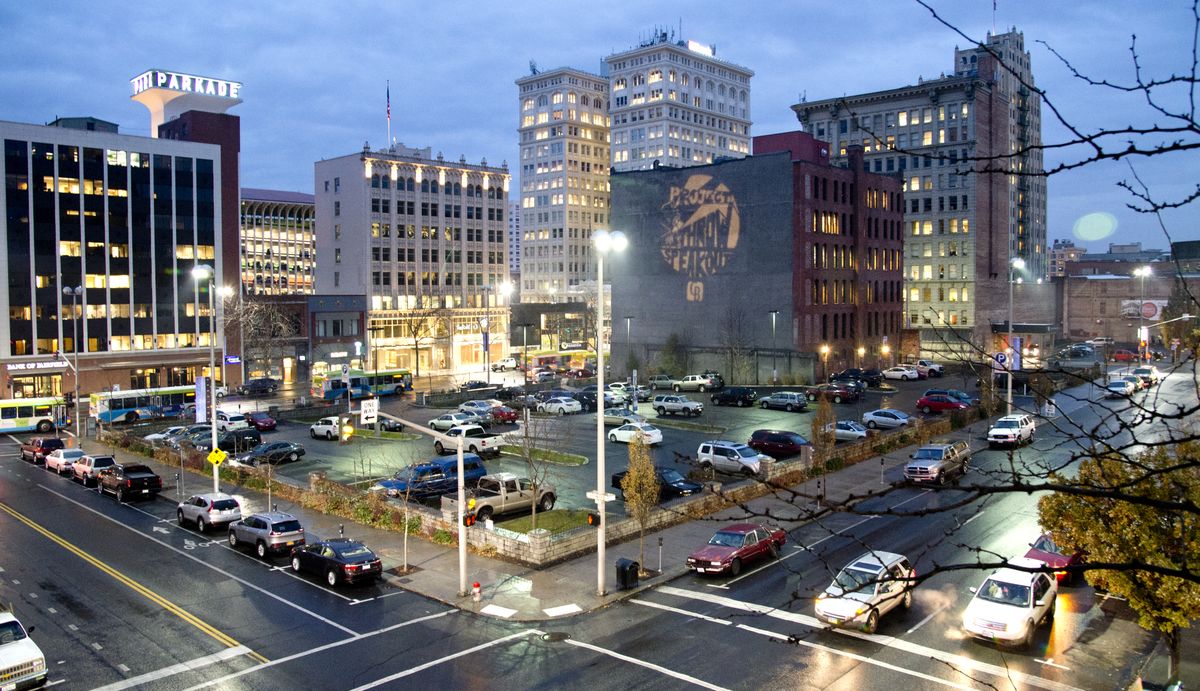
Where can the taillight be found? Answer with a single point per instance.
(209, 509)
(129, 483)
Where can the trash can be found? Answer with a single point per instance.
(627, 574)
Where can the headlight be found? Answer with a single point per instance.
(859, 611)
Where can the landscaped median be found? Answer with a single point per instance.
(668, 421)
(544, 455)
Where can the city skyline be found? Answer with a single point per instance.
(456, 98)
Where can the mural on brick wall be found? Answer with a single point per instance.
(701, 228)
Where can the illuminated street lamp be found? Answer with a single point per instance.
(1017, 264)
(204, 275)
(605, 242)
(824, 361)
(862, 351)
(1143, 337)
(886, 351)
(774, 367)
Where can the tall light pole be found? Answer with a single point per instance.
(824, 361)
(628, 322)
(1017, 264)
(774, 367)
(225, 292)
(886, 350)
(75, 293)
(525, 348)
(862, 352)
(204, 275)
(1143, 337)
(605, 242)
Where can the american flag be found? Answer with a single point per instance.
(389, 101)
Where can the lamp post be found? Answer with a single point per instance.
(525, 349)
(824, 361)
(1017, 264)
(605, 242)
(225, 292)
(1143, 337)
(75, 293)
(628, 321)
(862, 351)
(774, 366)
(204, 275)
(886, 350)
(504, 289)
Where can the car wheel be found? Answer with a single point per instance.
(748, 472)
(741, 404)
(706, 465)
(437, 446)
(763, 405)
(179, 516)
(736, 567)
(1027, 641)
(812, 397)
(296, 564)
(872, 622)
(774, 550)
(546, 503)
(294, 457)
(45, 426)
(261, 550)
(120, 495)
(872, 425)
(837, 399)
(1050, 612)
(131, 417)
(232, 539)
(661, 411)
(906, 603)
(926, 410)
(677, 388)
(701, 389)
(612, 438)
(329, 436)
(483, 514)
(561, 411)
(331, 577)
(200, 525)
(789, 407)
(312, 433)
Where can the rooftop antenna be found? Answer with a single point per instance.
(533, 68)
(993, 17)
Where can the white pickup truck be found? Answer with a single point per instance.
(476, 440)
(21, 660)
(501, 493)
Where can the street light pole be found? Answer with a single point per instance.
(1017, 264)
(204, 274)
(628, 319)
(605, 242)
(774, 365)
(1143, 337)
(75, 293)
(225, 292)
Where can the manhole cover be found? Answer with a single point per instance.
(555, 636)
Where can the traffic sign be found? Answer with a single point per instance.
(217, 456)
(370, 411)
(1001, 358)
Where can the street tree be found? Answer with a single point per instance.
(640, 490)
(736, 344)
(263, 325)
(824, 436)
(420, 326)
(536, 435)
(672, 359)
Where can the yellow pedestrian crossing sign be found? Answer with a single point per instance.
(216, 456)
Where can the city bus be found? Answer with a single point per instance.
(140, 404)
(43, 414)
(330, 385)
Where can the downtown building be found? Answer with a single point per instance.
(278, 242)
(424, 240)
(959, 143)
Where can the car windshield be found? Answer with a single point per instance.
(1006, 423)
(11, 631)
(1004, 593)
(353, 551)
(855, 580)
(928, 454)
(725, 539)
(1045, 544)
(672, 476)
(138, 469)
(747, 452)
(259, 416)
(225, 504)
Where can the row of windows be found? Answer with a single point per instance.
(409, 232)
(846, 292)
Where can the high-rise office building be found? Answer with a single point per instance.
(564, 180)
(278, 243)
(514, 243)
(673, 103)
(955, 141)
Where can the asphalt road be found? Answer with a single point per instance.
(122, 597)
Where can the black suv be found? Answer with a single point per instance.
(735, 395)
(261, 386)
(872, 377)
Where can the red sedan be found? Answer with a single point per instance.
(732, 546)
(1050, 554)
(503, 413)
(260, 421)
(939, 403)
(1124, 356)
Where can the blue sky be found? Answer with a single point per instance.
(314, 73)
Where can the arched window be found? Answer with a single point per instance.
(433, 186)
(457, 189)
(528, 105)
(410, 185)
(543, 101)
(375, 181)
(425, 186)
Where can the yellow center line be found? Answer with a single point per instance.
(132, 584)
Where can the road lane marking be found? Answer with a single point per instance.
(956, 661)
(1050, 662)
(198, 560)
(798, 550)
(806, 644)
(319, 649)
(172, 670)
(142, 590)
(924, 621)
(964, 523)
(648, 665)
(447, 658)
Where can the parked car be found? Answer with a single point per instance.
(661, 381)
(1009, 606)
(62, 461)
(1122, 355)
(273, 452)
(784, 400)
(641, 392)
(963, 396)
(933, 368)
(325, 428)
(504, 414)
(475, 439)
(86, 468)
(621, 416)
(543, 376)
(35, 449)
(478, 408)
(676, 404)
(901, 373)
(938, 463)
(208, 510)
(339, 559)
(188, 435)
(261, 386)
(543, 396)
(670, 484)
(233, 442)
(870, 377)
(730, 457)
(230, 421)
(1101, 341)
(735, 545)
(939, 404)
(858, 386)
(271, 533)
(473, 385)
(503, 493)
(581, 374)
(432, 478)
(626, 433)
(448, 420)
(508, 393)
(1014, 429)
(849, 430)
(739, 396)
(832, 392)
(160, 438)
(505, 364)
(777, 443)
(694, 382)
(1045, 550)
(885, 418)
(261, 421)
(126, 481)
(867, 588)
(560, 406)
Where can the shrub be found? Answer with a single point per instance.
(443, 537)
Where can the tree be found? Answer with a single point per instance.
(823, 434)
(640, 489)
(1153, 537)
(1179, 304)
(534, 435)
(263, 325)
(673, 357)
(736, 344)
(419, 325)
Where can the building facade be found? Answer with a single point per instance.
(425, 240)
(951, 140)
(514, 245)
(125, 219)
(564, 135)
(278, 244)
(673, 103)
(1061, 253)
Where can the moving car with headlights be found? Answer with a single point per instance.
(1045, 550)
(207, 510)
(625, 434)
(62, 461)
(340, 560)
(1009, 606)
(736, 545)
(784, 400)
(22, 663)
(866, 589)
(670, 484)
(1011, 430)
(730, 457)
(1148, 374)
(271, 533)
(885, 418)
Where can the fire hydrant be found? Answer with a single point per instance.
(476, 592)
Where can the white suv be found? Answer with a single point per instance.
(730, 456)
(326, 427)
(866, 589)
(1011, 429)
(1010, 604)
(227, 422)
(22, 664)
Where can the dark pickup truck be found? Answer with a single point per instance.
(36, 448)
(129, 481)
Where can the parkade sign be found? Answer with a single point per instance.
(185, 83)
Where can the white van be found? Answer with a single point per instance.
(504, 364)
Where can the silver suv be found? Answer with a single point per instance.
(866, 589)
(730, 457)
(270, 533)
(676, 405)
(87, 468)
(207, 510)
(787, 400)
(938, 462)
